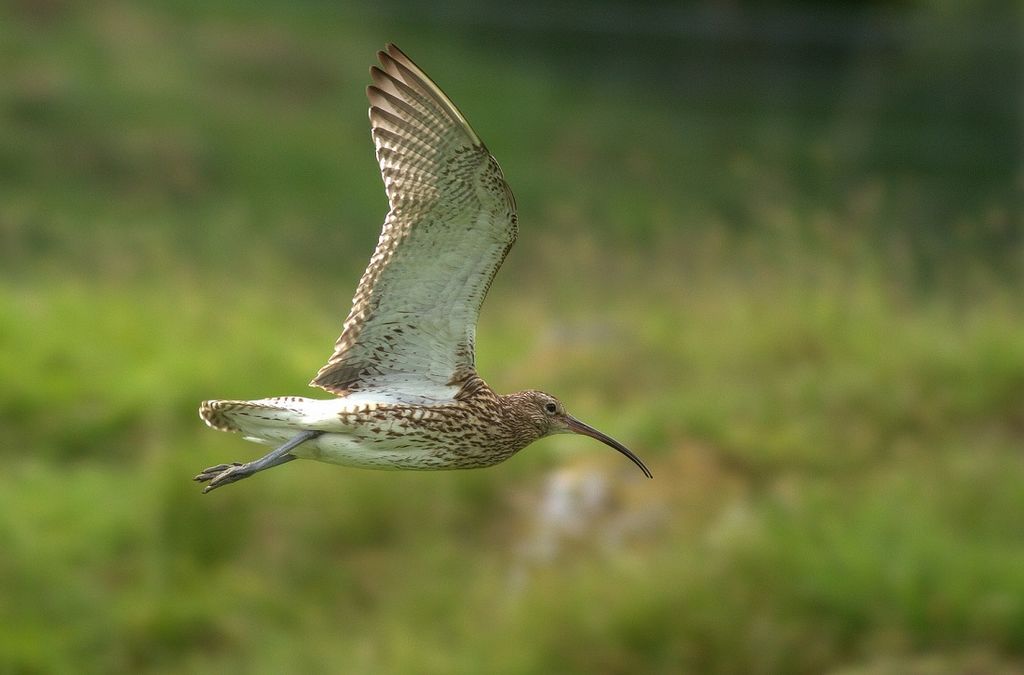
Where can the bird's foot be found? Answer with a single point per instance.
(222, 474)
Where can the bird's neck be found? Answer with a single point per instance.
(507, 412)
(515, 412)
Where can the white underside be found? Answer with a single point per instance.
(273, 421)
(346, 450)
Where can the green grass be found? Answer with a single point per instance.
(870, 489)
(820, 354)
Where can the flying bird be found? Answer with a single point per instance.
(407, 394)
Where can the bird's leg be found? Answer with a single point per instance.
(222, 474)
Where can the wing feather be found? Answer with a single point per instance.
(451, 222)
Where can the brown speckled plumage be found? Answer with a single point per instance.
(403, 368)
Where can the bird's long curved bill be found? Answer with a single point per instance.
(587, 430)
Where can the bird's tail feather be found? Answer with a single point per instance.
(238, 416)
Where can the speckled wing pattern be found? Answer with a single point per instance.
(452, 220)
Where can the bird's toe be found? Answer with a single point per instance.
(224, 474)
(212, 472)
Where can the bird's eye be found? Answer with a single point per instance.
(550, 408)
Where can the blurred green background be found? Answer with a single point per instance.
(776, 250)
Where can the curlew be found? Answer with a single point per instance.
(407, 392)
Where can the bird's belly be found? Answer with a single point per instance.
(392, 453)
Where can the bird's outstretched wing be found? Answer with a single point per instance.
(452, 221)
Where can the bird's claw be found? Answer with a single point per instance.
(222, 474)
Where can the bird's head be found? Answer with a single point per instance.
(548, 415)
